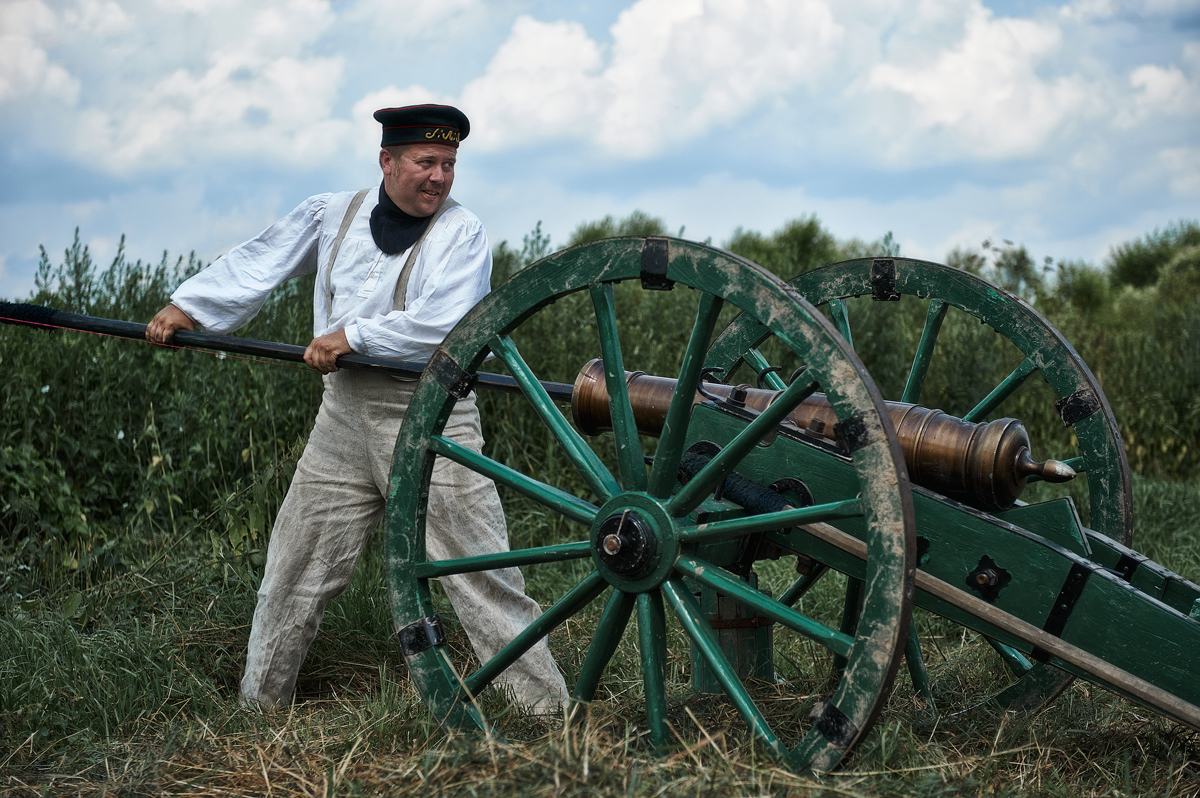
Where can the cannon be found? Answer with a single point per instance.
(988, 464)
(681, 488)
(685, 485)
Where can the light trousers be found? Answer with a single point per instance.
(337, 498)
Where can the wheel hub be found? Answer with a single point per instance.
(626, 544)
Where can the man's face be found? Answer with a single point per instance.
(419, 179)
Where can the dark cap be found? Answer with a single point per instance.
(423, 124)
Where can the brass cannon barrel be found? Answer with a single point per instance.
(988, 464)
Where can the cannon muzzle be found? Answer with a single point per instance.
(986, 464)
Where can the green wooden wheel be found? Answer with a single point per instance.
(649, 504)
(1099, 452)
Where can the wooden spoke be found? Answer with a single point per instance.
(701, 634)
(715, 471)
(585, 460)
(631, 461)
(1005, 389)
(671, 442)
(920, 365)
(765, 522)
(652, 639)
(504, 559)
(718, 579)
(841, 319)
(570, 506)
(604, 643)
(576, 599)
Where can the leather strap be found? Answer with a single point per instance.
(355, 204)
(402, 281)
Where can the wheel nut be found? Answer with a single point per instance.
(612, 544)
(987, 578)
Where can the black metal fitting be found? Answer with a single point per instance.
(421, 635)
(737, 397)
(626, 545)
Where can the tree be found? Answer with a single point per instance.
(1138, 263)
(638, 223)
(801, 245)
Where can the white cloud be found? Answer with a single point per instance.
(1166, 7)
(675, 70)
(177, 81)
(542, 83)
(1183, 164)
(681, 68)
(241, 106)
(1162, 89)
(414, 18)
(1156, 90)
(97, 17)
(26, 27)
(982, 96)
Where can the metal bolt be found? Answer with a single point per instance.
(612, 544)
(987, 578)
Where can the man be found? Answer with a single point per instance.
(396, 270)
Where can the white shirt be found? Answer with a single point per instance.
(451, 274)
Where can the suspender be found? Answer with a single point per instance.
(402, 281)
(355, 204)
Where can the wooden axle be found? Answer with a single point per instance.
(988, 464)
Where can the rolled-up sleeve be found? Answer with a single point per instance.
(452, 274)
(228, 293)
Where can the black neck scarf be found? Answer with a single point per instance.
(394, 230)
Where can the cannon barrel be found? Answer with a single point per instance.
(988, 464)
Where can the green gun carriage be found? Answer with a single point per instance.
(687, 483)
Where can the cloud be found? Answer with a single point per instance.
(1183, 164)
(413, 19)
(26, 26)
(674, 71)
(242, 105)
(1164, 90)
(158, 84)
(680, 69)
(982, 96)
(543, 82)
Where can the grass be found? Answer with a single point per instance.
(141, 700)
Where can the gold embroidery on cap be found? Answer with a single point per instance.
(443, 133)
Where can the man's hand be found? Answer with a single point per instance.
(162, 327)
(323, 352)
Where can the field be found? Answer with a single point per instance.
(137, 488)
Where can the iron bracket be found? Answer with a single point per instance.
(883, 280)
(1078, 406)
(1064, 605)
(833, 724)
(421, 635)
(448, 374)
(654, 265)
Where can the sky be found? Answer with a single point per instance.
(190, 125)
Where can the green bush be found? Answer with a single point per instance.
(106, 444)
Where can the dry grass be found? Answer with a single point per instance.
(361, 730)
